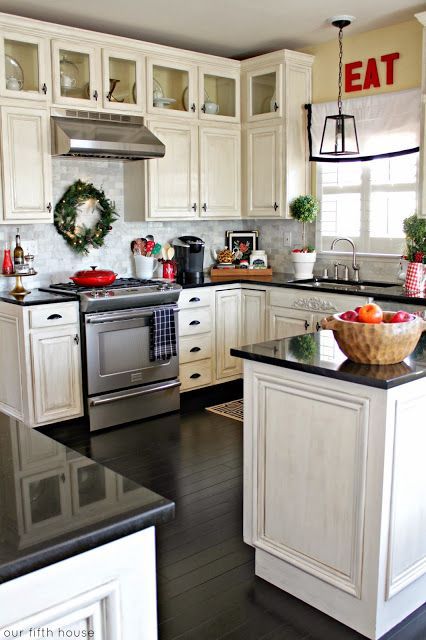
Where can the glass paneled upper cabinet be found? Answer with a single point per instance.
(123, 81)
(24, 69)
(75, 74)
(264, 94)
(171, 88)
(219, 97)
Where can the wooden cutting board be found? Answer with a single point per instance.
(240, 273)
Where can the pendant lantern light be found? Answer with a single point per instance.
(339, 137)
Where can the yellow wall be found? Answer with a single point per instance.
(406, 38)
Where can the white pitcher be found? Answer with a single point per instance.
(145, 266)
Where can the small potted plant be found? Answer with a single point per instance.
(415, 233)
(304, 209)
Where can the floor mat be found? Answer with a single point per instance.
(234, 409)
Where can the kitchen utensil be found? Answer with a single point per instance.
(150, 244)
(170, 253)
(384, 343)
(156, 250)
(94, 278)
(149, 237)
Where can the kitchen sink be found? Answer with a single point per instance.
(343, 285)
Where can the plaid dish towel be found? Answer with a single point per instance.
(162, 335)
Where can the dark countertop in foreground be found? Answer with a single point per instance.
(394, 292)
(36, 296)
(319, 354)
(59, 520)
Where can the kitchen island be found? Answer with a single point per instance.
(77, 543)
(334, 478)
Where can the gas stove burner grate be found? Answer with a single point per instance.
(120, 283)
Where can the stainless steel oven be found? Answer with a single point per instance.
(122, 383)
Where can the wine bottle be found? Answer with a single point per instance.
(18, 253)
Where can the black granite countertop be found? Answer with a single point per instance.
(394, 292)
(37, 296)
(60, 504)
(319, 354)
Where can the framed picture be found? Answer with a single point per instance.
(242, 243)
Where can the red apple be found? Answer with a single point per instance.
(357, 309)
(371, 313)
(349, 316)
(401, 316)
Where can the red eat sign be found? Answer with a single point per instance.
(353, 81)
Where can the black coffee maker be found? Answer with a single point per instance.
(189, 256)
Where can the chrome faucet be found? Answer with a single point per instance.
(355, 266)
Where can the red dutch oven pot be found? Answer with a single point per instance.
(94, 278)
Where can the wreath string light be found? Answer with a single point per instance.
(81, 239)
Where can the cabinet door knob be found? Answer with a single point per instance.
(275, 206)
(54, 316)
(194, 322)
(276, 106)
(203, 108)
(194, 206)
(194, 299)
(307, 325)
(195, 349)
(63, 477)
(195, 375)
(204, 207)
(95, 94)
(49, 207)
(44, 88)
(317, 326)
(193, 107)
(76, 338)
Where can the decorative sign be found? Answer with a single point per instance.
(368, 76)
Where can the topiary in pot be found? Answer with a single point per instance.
(304, 209)
(415, 233)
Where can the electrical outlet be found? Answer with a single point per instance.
(287, 239)
(30, 246)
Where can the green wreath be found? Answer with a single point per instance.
(66, 213)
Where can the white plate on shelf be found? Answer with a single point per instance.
(163, 102)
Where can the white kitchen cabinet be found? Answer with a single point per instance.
(56, 371)
(171, 87)
(76, 74)
(173, 180)
(263, 158)
(285, 323)
(219, 93)
(220, 177)
(253, 316)
(276, 88)
(27, 182)
(123, 75)
(42, 382)
(228, 333)
(24, 67)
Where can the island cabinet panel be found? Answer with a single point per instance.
(253, 316)
(312, 479)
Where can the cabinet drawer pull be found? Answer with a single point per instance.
(276, 106)
(195, 375)
(307, 325)
(275, 206)
(95, 94)
(194, 206)
(49, 207)
(54, 316)
(203, 108)
(44, 88)
(317, 326)
(195, 349)
(76, 338)
(193, 107)
(63, 477)
(194, 300)
(204, 207)
(193, 322)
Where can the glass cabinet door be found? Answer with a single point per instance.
(171, 89)
(123, 81)
(219, 96)
(75, 76)
(264, 94)
(25, 72)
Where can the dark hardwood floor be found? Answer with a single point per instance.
(206, 584)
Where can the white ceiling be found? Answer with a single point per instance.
(232, 28)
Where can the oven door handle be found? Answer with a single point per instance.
(143, 392)
(101, 319)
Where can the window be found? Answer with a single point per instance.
(368, 202)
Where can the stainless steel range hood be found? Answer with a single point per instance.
(102, 135)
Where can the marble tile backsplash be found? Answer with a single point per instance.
(55, 261)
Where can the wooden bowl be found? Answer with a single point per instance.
(384, 343)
